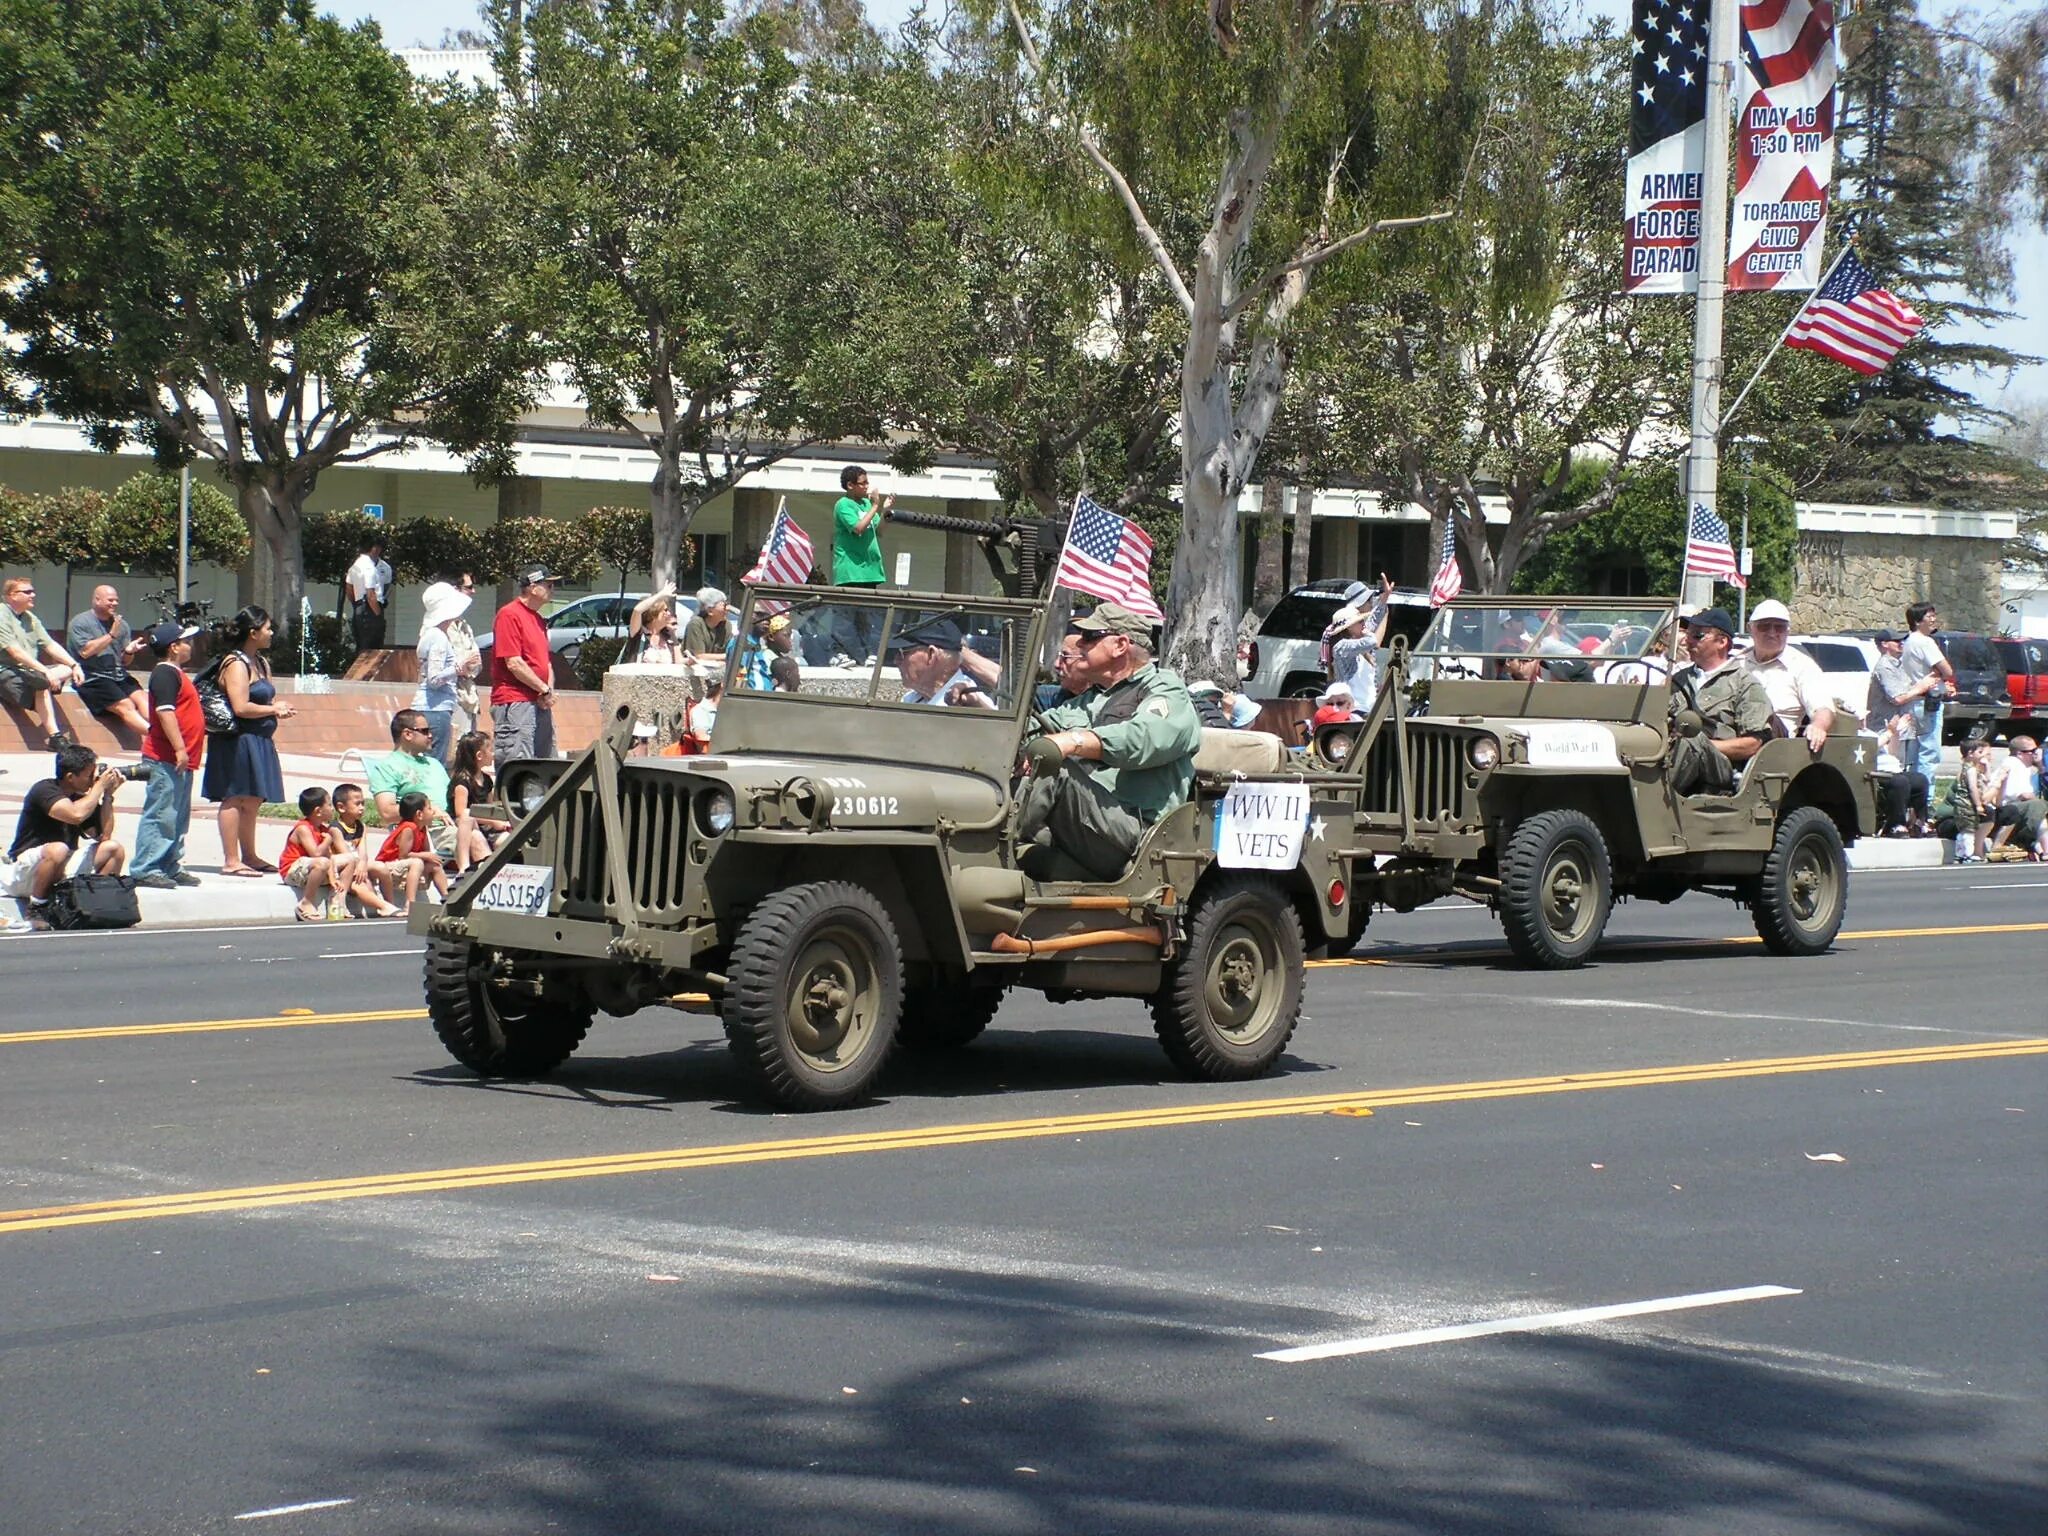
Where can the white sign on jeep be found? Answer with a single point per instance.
(1261, 826)
(1570, 744)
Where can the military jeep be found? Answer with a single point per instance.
(839, 875)
(1548, 796)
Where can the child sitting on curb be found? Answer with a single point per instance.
(370, 894)
(409, 850)
(315, 858)
(469, 787)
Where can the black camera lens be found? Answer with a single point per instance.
(134, 773)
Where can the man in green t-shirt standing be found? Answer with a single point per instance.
(857, 558)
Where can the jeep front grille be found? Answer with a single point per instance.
(1438, 760)
(654, 811)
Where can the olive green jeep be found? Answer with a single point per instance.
(838, 875)
(1523, 759)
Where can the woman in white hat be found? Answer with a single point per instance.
(440, 668)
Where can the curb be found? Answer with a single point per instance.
(1898, 853)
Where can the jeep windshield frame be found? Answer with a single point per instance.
(860, 713)
(1501, 628)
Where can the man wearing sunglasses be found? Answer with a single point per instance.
(33, 667)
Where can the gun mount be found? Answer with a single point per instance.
(1020, 550)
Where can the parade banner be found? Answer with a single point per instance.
(1784, 144)
(1667, 145)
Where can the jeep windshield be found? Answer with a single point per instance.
(1610, 630)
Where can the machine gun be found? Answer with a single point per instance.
(1021, 551)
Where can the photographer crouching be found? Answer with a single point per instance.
(66, 829)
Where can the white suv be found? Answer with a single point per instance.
(1283, 660)
(1847, 661)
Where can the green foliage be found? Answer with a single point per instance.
(1638, 543)
(622, 540)
(422, 548)
(561, 544)
(241, 211)
(333, 648)
(138, 528)
(18, 528)
(595, 658)
(66, 526)
(333, 538)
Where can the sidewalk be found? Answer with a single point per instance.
(219, 899)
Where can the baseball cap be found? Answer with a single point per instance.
(1711, 618)
(1891, 636)
(1335, 692)
(1204, 686)
(534, 575)
(164, 636)
(941, 633)
(1114, 619)
(1770, 608)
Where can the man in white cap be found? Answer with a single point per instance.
(1793, 680)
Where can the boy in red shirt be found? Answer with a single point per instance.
(315, 859)
(410, 851)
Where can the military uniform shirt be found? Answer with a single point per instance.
(1149, 731)
(1731, 700)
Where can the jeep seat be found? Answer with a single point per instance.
(1232, 752)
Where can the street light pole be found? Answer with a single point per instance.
(1703, 462)
(184, 533)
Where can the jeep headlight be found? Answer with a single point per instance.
(1482, 752)
(715, 812)
(525, 791)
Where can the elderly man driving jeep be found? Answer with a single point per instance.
(1721, 715)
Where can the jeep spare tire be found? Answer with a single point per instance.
(1233, 994)
(1556, 889)
(1803, 891)
(814, 992)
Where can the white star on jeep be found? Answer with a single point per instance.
(1859, 757)
(1317, 828)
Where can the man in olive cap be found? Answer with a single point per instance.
(1127, 748)
(1734, 710)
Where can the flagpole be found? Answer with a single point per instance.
(1840, 256)
(1703, 462)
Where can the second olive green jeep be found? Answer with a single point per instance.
(1549, 796)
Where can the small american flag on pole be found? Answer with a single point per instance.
(1852, 320)
(1707, 550)
(786, 557)
(1109, 557)
(1449, 580)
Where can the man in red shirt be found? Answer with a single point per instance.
(523, 672)
(171, 752)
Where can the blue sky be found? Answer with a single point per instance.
(411, 23)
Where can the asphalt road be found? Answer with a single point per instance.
(298, 1272)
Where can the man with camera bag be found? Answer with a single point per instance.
(66, 829)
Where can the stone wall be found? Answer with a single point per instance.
(1865, 581)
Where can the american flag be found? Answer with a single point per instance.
(1853, 320)
(1707, 549)
(1107, 556)
(786, 557)
(1449, 580)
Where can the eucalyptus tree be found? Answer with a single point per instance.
(245, 237)
(1248, 147)
(714, 235)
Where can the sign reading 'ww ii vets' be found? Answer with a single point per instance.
(1667, 145)
(1784, 144)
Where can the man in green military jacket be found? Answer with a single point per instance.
(1127, 748)
(1732, 704)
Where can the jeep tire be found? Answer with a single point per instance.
(496, 1030)
(1233, 993)
(1803, 891)
(945, 1016)
(1556, 889)
(814, 992)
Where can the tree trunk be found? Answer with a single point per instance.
(1269, 574)
(1304, 534)
(672, 513)
(1202, 599)
(274, 516)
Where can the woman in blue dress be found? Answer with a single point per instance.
(242, 770)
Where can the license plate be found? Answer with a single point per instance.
(520, 888)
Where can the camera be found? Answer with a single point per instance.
(134, 773)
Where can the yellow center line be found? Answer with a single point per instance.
(672, 1159)
(1458, 950)
(211, 1026)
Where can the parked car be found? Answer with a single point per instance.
(2026, 680)
(600, 615)
(1847, 661)
(1283, 660)
(1980, 701)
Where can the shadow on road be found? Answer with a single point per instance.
(1046, 1411)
